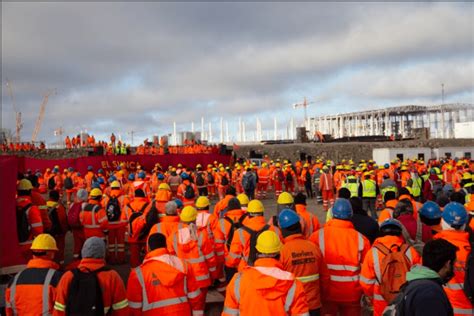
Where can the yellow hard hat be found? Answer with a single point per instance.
(403, 168)
(278, 165)
(115, 184)
(255, 206)
(202, 202)
(44, 242)
(164, 186)
(198, 166)
(188, 214)
(306, 165)
(268, 242)
(285, 198)
(221, 169)
(24, 185)
(243, 199)
(95, 192)
(264, 164)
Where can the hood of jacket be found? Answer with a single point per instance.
(418, 272)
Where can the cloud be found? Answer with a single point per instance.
(130, 66)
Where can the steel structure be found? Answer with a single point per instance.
(400, 120)
(39, 120)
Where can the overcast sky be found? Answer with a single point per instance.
(140, 66)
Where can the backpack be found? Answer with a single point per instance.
(199, 179)
(225, 180)
(418, 243)
(56, 228)
(308, 177)
(73, 215)
(247, 182)
(68, 184)
(393, 269)
(253, 242)
(210, 178)
(436, 187)
(134, 216)
(85, 294)
(22, 225)
(280, 176)
(469, 273)
(233, 227)
(113, 209)
(51, 183)
(288, 177)
(189, 192)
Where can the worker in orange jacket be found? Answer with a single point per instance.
(302, 258)
(89, 178)
(290, 178)
(93, 217)
(343, 250)
(241, 253)
(391, 240)
(230, 192)
(222, 182)
(185, 195)
(309, 222)
(265, 289)
(163, 284)
(33, 217)
(263, 180)
(114, 296)
(33, 290)
(326, 187)
(453, 222)
(196, 248)
(117, 224)
(168, 223)
(139, 203)
(162, 197)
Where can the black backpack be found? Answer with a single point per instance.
(51, 183)
(233, 227)
(23, 228)
(113, 209)
(308, 177)
(280, 176)
(225, 180)
(398, 306)
(68, 184)
(55, 223)
(210, 178)
(189, 192)
(199, 179)
(469, 274)
(247, 182)
(253, 242)
(84, 294)
(289, 177)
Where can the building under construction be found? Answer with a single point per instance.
(402, 121)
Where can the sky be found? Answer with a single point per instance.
(122, 67)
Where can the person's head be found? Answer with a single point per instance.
(151, 218)
(81, 195)
(342, 209)
(230, 191)
(54, 195)
(356, 203)
(268, 245)
(202, 203)
(439, 255)
(300, 198)
(156, 241)
(255, 208)
(454, 217)
(44, 246)
(285, 200)
(289, 222)
(430, 213)
(188, 214)
(458, 197)
(24, 187)
(442, 199)
(233, 204)
(389, 195)
(244, 200)
(171, 209)
(139, 193)
(94, 248)
(390, 227)
(95, 194)
(344, 193)
(403, 207)
(404, 191)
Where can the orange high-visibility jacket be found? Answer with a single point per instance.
(222, 204)
(138, 204)
(343, 250)
(387, 212)
(454, 288)
(310, 222)
(196, 248)
(33, 290)
(265, 290)
(123, 201)
(34, 218)
(371, 274)
(163, 285)
(113, 289)
(94, 219)
(263, 175)
(304, 259)
(326, 182)
(222, 230)
(166, 226)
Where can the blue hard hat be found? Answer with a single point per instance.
(141, 175)
(390, 222)
(431, 210)
(119, 168)
(455, 214)
(288, 218)
(342, 209)
(184, 175)
(161, 176)
(78, 174)
(448, 188)
(179, 203)
(101, 180)
(131, 177)
(386, 166)
(112, 179)
(432, 171)
(100, 171)
(95, 185)
(89, 168)
(70, 169)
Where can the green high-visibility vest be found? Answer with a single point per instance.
(123, 150)
(369, 188)
(352, 185)
(416, 186)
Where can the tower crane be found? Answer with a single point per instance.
(19, 124)
(304, 104)
(39, 120)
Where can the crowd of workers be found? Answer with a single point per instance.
(411, 255)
